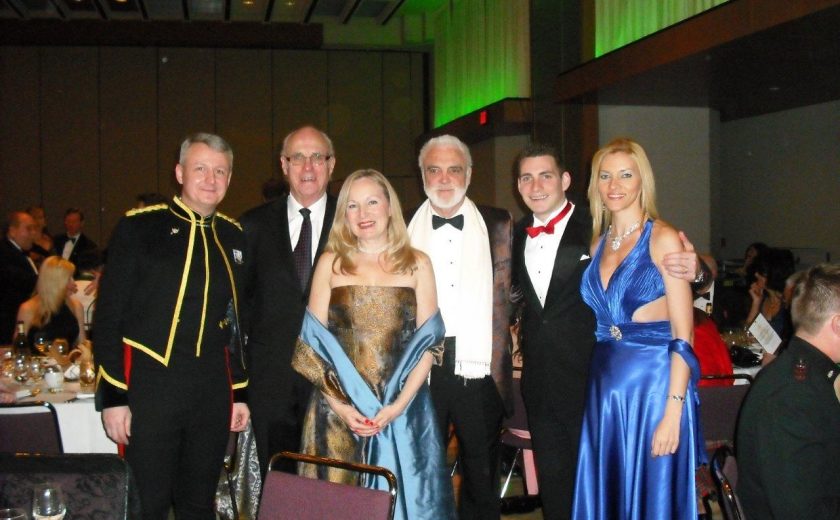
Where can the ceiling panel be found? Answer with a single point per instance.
(248, 10)
(163, 9)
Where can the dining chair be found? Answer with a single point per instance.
(295, 497)
(515, 435)
(94, 485)
(719, 408)
(30, 428)
(725, 475)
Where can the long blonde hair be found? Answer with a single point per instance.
(51, 288)
(400, 257)
(600, 216)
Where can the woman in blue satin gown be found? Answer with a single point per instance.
(368, 342)
(640, 441)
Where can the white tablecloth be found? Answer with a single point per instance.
(79, 422)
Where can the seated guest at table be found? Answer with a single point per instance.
(75, 246)
(42, 243)
(171, 383)
(711, 351)
(368, 342)
(17, 271)
(53, 312)
(787, 441)
(746, 271)
(772, 270)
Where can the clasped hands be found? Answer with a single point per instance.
(364, 426)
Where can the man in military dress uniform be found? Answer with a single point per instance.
(171, 381)
(789, 430)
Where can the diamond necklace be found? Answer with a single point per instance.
(615, 242)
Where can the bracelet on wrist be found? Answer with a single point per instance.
(680, 398)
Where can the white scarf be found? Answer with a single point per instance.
(474, 342)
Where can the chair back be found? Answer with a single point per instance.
(30, 428)
(719, 408)
(95, 485)
(515, 427)
(301, 498)
(725, 475)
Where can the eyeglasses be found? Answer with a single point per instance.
(316, 159)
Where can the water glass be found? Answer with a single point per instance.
(13, 514)
(54, 376)
(36, 369)
(47, 502)
(21, 369)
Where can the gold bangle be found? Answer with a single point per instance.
(680, 398)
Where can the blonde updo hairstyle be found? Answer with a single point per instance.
(400, 257)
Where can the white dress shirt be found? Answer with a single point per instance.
(316, 219)
(446, 256)
(541, 251)
(68, 246)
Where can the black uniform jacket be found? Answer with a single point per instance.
(788, 438)
(143, 286)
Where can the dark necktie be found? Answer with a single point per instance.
(457, 221)
(303, 250)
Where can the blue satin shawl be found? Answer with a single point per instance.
(410, 446)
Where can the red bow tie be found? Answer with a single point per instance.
(548, 229)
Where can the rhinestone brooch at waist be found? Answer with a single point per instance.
(615, 332)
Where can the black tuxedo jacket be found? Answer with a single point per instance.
(556, 340)
(17, 281)
(85, 255)
(275, 303)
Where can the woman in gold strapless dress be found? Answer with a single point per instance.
(368, 342)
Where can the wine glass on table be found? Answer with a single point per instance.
(13, 513)
(41, 343)
(47, 502)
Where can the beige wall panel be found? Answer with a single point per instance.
(243, 118)
(398, 136)
(186, 104)
(299, 93)
(20, 153)
(355, 116)
(70, 135)
(128, 129)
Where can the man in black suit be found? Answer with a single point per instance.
(17, 272)
(470, 248)
(557, 329)
(789, 427)
(284, 238)
(74, 245)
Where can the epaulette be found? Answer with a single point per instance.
(147, 209)
(229, 219)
